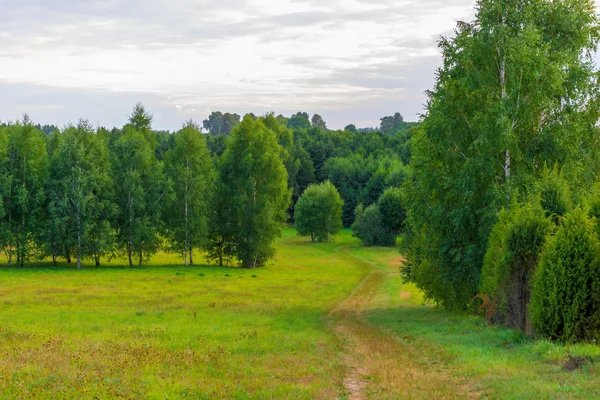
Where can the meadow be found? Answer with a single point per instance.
(323, 320)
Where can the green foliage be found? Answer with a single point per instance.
(318, 213)
(141, 191)
(221, 124)
(554, 195)
(350, 128)
(191, 171)
(80, 207)
(391, 124)
(391, 207)
(252, 196)
(24, 171)
(492, 124)
(370, 227)
(299, 121)
(565, 302)
(318, 122)
(509, 265)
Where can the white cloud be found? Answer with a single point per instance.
(351, 61)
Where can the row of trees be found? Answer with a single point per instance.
(84, 193)
(91, 193)
(516, 96)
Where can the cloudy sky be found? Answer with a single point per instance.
(352, 61)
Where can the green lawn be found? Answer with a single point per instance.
(208, 332)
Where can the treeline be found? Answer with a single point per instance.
(502, 198)
(92, 193)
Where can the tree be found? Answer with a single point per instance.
(304, 172)
(517, 91)
(140, 188)
(511, 260)
(189, 166)
(370, 227)
(350, 128)
(80, 208)
(318, 213)
(25, 170)
(221, 124)
(391, 124)
(298, 121)
(252, 196)
(391, 207)
(318, 122)
(140, 119)
(565, 302)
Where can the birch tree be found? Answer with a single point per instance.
(517, 90)
(252, 196)
(140, 188)
(191, 171)
(81, 193)
(25, 170)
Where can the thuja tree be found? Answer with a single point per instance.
(516, 91)
(565, 302)
(189, 167)
(511, 261)
(252, 196)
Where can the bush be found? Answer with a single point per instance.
(370, 228)
(318, 212)
(510, 262)
(391, 206)
(565, 302)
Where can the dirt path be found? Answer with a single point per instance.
(380, 364)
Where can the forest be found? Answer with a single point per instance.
(87, 192)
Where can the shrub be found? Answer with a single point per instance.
(512, 257)
(370, 228)
(391, 206)
(565, 301)
(318, 212)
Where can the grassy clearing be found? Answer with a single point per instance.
(182, 332)
(322, 321)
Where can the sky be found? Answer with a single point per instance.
(351, 61)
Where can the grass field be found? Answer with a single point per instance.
(324, 320)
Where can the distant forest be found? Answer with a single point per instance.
(226, 188)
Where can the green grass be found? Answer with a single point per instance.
(201, 332)
(497, 362)
(207, 332)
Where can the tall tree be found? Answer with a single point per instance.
(82, 191)
(140, 188)
(517, 90)
(252, 193)
(189, 166)
(25, 170)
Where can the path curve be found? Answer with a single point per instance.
(379, 364)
